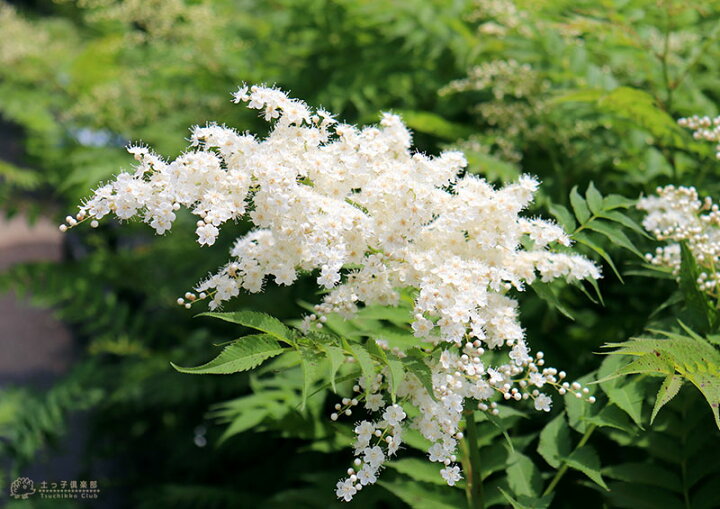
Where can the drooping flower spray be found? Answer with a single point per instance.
(371, 218)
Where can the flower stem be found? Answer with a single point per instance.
(471, 464)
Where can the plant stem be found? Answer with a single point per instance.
(561, 471)
(471, 464)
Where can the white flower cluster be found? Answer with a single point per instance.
(457, 377)
(499, 18)
(502, 77)
(704, 128)
(677, 214)
(372, 218)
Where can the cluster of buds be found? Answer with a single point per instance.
(678, 215)
(704, 128)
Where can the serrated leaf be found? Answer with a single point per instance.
(523, 476)
(258, 321)
(638, 496)
(619, 217)
(594, 199)
(578, 411)
(493, 459)
(525, 502)
(582, 212)
(612, 417)
(563, 216)
(669, 388)
(554, 444)
(337, 358)
(586, 460)
(419, 495)
(615, 235)
(694, 359)
(544, 291)
(367, 366)
(244, 422)
(629, 398)
(616, 201)
(309, 362)
(698, 310)
(421, 370)
(586, 241)
(431, 123)
(397, 374)
(393, 364)
(644, 473)
(419, 470)
(244, 354)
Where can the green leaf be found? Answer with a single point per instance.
(545, 292)
(431, 123)
(420, 495)
(491, 167)
(586, 460)
(523, 476)
(586, 241)
(555, 443)
(421, 370)
(616, 201)
(367, 366)
(615, 236)
(612, 417)
(669, 388)
(594, 199)
(337, 358)
(582, 212)
(693, 358)
(698, 310)
(493, 459)
(624, 220)
(397, 374)
(628, 397)
(244, 354)
(638, 496)
(419, 470)
(309, 362)
(563, 216)
(525, 502)
(21, 178)
(244, 422)
(258, 321)
(644, 473)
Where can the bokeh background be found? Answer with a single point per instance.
(571, 91)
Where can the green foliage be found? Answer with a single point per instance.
(691, 357)
(241, 355)
(606, 83)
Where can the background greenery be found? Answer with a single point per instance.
(590, 92)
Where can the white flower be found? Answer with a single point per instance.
(366, 475)
(374, 402)
(537, 379)
(374, 456)
(365, 428)
(543, 402)
(451, 475)
(394, 415)
(345, 490)
(207, 234)
(437, 452)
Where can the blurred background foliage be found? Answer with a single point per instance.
(572, 91)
